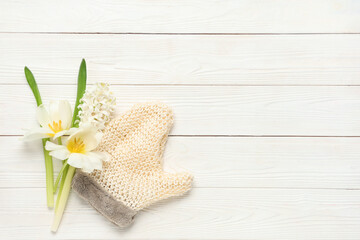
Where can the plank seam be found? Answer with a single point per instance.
(233, 136)
(197, 85)
(173, 33)
(254, 188)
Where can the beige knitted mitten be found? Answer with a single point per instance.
(133, 178)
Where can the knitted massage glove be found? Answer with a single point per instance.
(133, 178)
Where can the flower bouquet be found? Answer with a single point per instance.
(112, 163)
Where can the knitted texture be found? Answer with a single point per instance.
(136, 142)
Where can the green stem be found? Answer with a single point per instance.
(64, 174)
(49, 176)
(59, 176)
(63, 168)
(63, 199)
(48, 159)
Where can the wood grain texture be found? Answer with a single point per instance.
(203, 213)
(214, 110)
(266, 96)
(221, 162)
(198, 60)
(181, 16)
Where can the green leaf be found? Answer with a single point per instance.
(32, 83)
(48, 159)
(81, 86)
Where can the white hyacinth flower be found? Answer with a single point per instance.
(96, 106)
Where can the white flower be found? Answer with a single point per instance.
(79, 150)
(54, 122)
(97, 106)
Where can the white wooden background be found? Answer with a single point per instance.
(267, 102)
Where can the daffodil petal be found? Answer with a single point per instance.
(57, 151)
(42, 116)
(90, 143)
(76, 160)
(50, 146)
(72, 131)
(61, 133)
(97, 164)
(87, 169)
(65, 112)
(35, 134)
(104, 156)
(54, 112)
(89, 164)
(93, 160)
(60, 154)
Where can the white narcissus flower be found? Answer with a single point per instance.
(54, 121)
(97, 106)
(79, 150)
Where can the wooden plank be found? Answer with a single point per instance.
(202, 214)
(181, 16)
(221, 162)
(163, 59)
(215, 110)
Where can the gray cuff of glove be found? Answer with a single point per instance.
(101, 200)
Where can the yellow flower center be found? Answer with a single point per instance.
(76, 145)
(55, 127)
